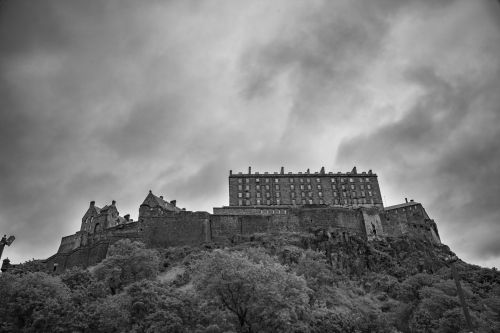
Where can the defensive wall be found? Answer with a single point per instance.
(162, 223)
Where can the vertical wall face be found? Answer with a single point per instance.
(373, 224)
(175, 228)
(351, 189)
(413, 221)
(346, 221)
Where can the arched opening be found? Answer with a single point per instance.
(96, 227)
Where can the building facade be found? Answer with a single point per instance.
(349, 189)
(342, 204)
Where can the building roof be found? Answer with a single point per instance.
(406, 204)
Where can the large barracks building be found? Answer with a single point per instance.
(344, 204)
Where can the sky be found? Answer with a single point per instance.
(105, 100)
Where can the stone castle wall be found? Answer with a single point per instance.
(192, 228)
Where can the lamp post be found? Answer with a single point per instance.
(451, 261)
(5, 241)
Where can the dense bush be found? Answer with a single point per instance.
(264, 283)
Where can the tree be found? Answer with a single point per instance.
(127, 262)
(255, 288)
(33, 301)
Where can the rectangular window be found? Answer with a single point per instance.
(310, 202)
(303, 194)
(341, 180)
(258, 194)
(367, 180)
(248, 202)
(257, 187)
(267, 187)
(240, 195)
(332, 180)
(334, 187)
(362, 193)
(276, 180)
(268, 202)
(303, 202)
(292, 187)
(319, 187)
(320, 201)
(277, 187)
(239, 180)
(240, 187)
(301, 180)
(240, 202)
(247, 187)
(257, 180)
(301, 187)
(310, 194)
(268, 195)
(352, 187)
(370, 193)
(369, 186)
(258, 203)
(360, 180)
(353, 194)
(345, 194)
(247, 195)
(351, 180)
(335, 194)
(277, 194)
(320, 194)
(309, 186)
(362, 186)
(292, 194)
(293, 202)
(291, 180)
(308, 180)
(336, 201)
(267, 180)
(317, 180)
(278, 201)
(343, 187)
(247, 180)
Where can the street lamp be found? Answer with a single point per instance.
(5, 241)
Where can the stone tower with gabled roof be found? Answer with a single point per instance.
(156, 206)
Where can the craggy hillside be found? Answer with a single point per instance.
(289, 282)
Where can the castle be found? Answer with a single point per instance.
(343, 204)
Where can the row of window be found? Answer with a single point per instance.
(308, 180)
(258, 202)
(303, 194)
(302, 187)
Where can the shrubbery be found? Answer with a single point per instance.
(287, 283)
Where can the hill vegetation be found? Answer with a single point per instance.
(295, 282)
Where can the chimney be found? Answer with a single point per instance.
(161, 197)
(370, 172)
(411, 200)
(322, 171)
(230, 172)
(127, 217)
(406, 199)
(249, 170)
(282, 170)
(354, 171)
(173, 202)
(113, 203)
(92, 203)
(308, 171)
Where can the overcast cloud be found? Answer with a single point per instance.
(104, 100)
